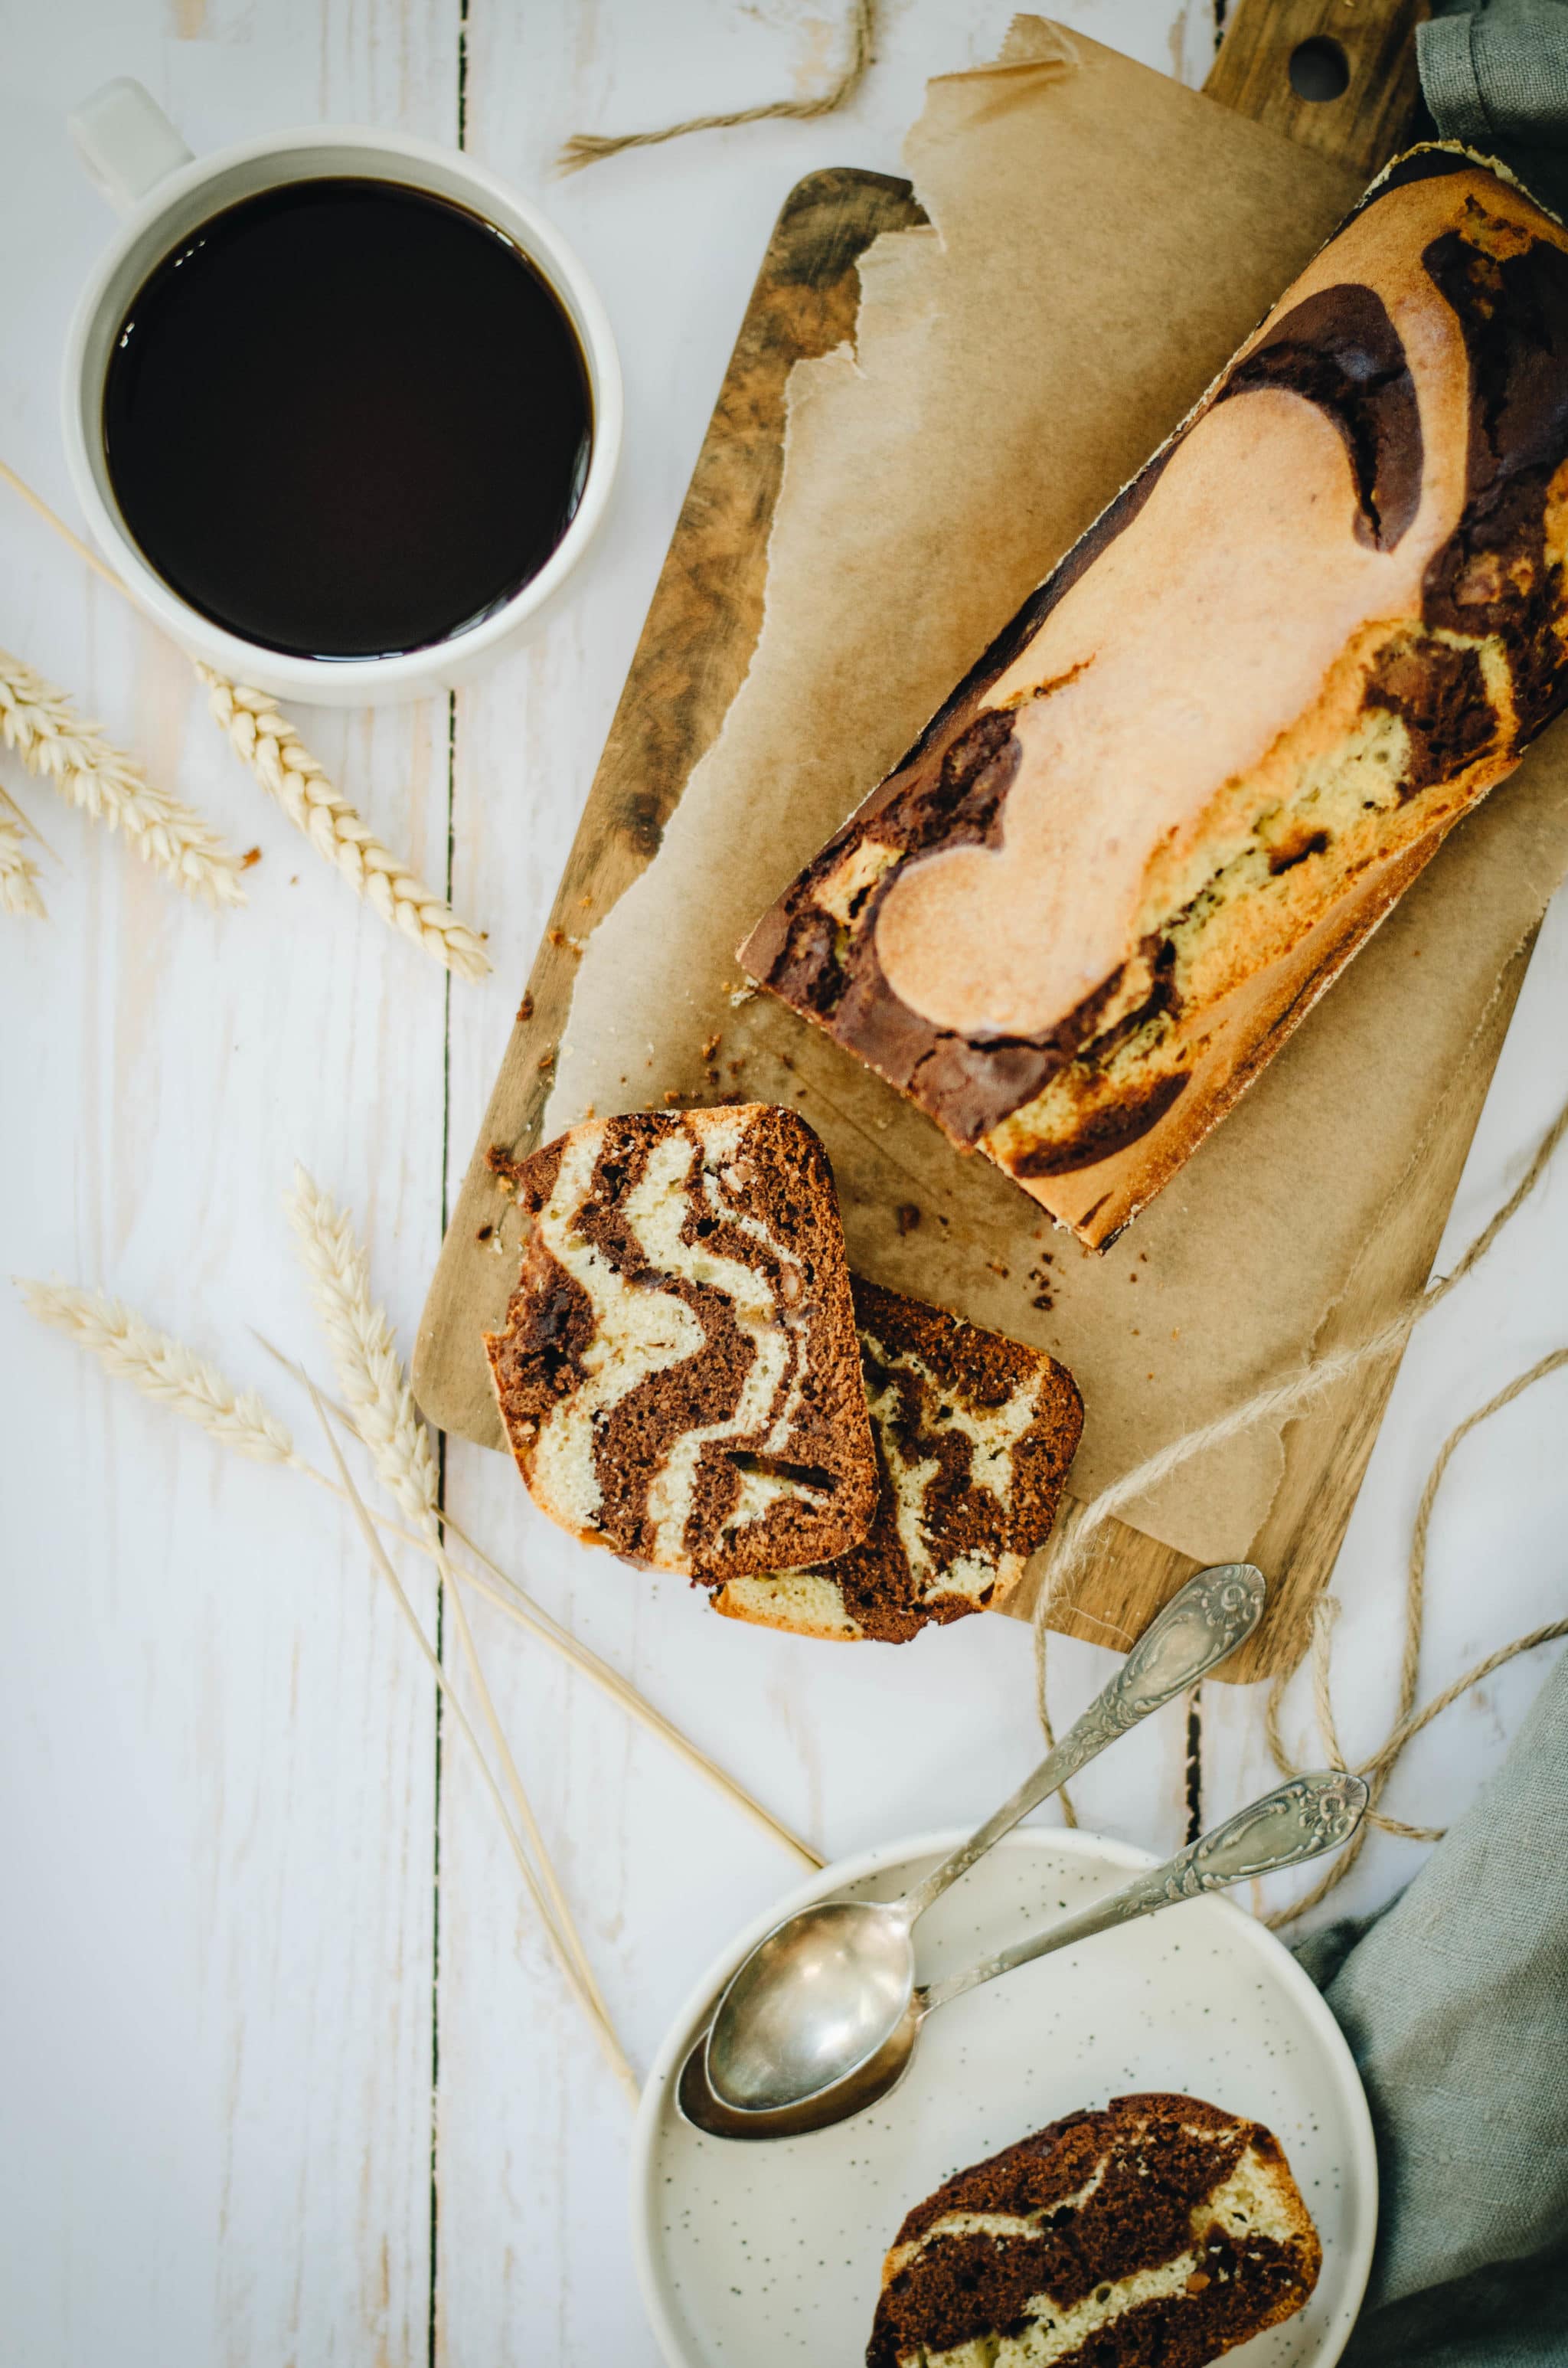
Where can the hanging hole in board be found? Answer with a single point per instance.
(1319, 70)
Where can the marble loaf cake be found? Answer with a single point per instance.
(1185, 783)
(678, 1373)
(1161, 2230)
(973, 1435)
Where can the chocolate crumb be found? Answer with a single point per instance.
(906, 1217)
(484, 1233)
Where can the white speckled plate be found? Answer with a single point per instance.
(769, 2255)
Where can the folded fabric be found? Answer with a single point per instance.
(1455, 2003)
(1496, 75)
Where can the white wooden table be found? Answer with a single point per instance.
(287, 2077)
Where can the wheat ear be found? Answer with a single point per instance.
(381, 1406)
(18, 873)
(161, 1368)
(288, 771)
(40, 722)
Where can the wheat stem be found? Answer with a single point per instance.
(603, 2032)
(38, 722)
(382, 1408)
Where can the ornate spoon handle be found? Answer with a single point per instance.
(1302, 1819)
(1197, 1629)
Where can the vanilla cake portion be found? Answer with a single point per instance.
(1160, 2230)
(1185, 783)
(973, 1435)
(678, 1374)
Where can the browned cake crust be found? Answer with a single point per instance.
(974, 1434)
(1160, 2230)
(1184, 786)
(679, 1375)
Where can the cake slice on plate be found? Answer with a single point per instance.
(973, 1435)
(1160, 2229)
(678, 1373)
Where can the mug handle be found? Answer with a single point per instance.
(125, 141)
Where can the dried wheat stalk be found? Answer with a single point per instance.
(186, 1384)
(381, 1406)
(134, 1350)
(586, 1994)
(18, 873)
(286, 768)
(39, 723)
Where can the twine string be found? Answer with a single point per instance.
(1310, 1380)
(590, 147)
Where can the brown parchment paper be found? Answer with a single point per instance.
(1101, 240)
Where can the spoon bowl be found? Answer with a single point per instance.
(871, 2080)
(817, 2000)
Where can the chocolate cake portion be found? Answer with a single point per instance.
(679, 1375)
(974, 1436)
(1161, 2230)
(1183, 787)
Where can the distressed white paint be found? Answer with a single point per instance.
(216, 1753)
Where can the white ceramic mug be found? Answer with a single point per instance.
(137, 158)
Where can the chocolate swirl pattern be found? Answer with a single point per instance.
(1204, 761)
(974, 1434)
(678, 1372)
(1159, 2229)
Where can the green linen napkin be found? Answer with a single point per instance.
(1496, 75)
(1455, 2003)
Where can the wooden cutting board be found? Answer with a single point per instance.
(696, 646)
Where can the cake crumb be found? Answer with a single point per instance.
(906, 1217)
(525, 1010)
(710, 1045)
(251, 857)
(546, 1060)
(742, 995)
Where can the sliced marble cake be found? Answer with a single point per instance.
(1160, 2229)
(679, 1375)
(974, 1434)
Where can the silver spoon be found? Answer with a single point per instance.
(824, 1990)
(1301, 1820)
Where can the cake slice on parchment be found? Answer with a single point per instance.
(678, 1373)
(1160, 2229)
(974, 1434)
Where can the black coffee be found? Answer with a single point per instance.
(344, 418)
